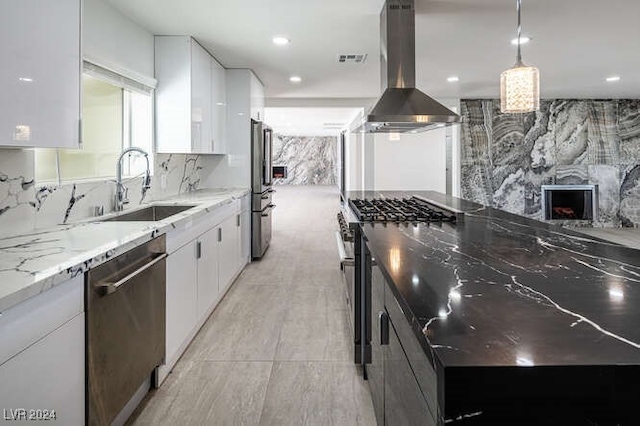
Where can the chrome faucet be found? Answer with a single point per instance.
(121, 190)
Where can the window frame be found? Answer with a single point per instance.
(123, 80)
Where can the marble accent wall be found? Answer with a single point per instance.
(507, 157)
(25, 205)
(310, 160)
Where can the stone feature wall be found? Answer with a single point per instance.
(505, 158)
(310, 160)
(25, 205)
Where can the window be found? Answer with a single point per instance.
(117, 113)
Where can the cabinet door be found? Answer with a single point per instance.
(181, 297)
(403, 400)
(40, 73)
(218, 108)
(48, 375)
(375, 370)
(173, 94)
(201, 139)
(229, 251)
(257, 98)
(207, 253)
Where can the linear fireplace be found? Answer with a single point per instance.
(570, 202)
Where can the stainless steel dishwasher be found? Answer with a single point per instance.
(125, 326)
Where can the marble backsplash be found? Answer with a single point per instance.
(507, 157)
(25, 205)
(310, 160)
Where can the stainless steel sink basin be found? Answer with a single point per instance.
(149, 214)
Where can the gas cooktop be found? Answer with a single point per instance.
(398, 210)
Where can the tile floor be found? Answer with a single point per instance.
(276, 350)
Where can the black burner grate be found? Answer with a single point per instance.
(398, 210)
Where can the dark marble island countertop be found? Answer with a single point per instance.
(501, 290)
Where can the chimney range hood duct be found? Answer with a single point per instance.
(402, 107)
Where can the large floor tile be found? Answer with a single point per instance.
(234, 339)
(310, 297)
(210, 393)
(277, 350)
(320, 335)
(316, 393)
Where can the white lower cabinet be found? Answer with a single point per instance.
(208, 267)
(198, 274)
(47, 379)
(42, 374)
(181, 300)
(229, 250)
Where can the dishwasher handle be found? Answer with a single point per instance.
(110, 287)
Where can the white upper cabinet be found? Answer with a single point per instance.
(201, 136)
(40, 76)
(190, 97)
(257, 98)
(218, 107)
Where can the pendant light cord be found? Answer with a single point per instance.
(519, 57)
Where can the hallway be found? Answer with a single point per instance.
(277, 349)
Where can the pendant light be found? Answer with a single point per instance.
(519, 85)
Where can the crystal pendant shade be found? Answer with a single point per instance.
(520, 89)
(520, 84)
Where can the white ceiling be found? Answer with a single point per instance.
(309, 121)
(576, 43)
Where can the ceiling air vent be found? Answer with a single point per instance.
(358, 59)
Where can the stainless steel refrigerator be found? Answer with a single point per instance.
(261, 181)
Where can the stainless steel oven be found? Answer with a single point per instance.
(344, 239)
(380, 211)
(355, 264)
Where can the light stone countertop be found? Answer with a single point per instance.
(34, 262)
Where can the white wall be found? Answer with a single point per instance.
(353, 159)
(415, 162)
(114, 41)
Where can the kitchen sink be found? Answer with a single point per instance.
(149, 214)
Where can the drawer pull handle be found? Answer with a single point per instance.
(384, 327)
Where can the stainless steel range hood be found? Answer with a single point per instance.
(402, 107)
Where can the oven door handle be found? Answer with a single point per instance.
(110, 287)
(344, 260)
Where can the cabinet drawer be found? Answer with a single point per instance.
(48, 375)
(189, 230)
(420, 364)
(26, 323)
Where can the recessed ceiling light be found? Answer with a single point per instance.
(26, 79)
(613, 79)
(453, 79)
(295, 79)
(281, 41)
(523, 40)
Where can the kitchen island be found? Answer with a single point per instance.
(510, 320)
